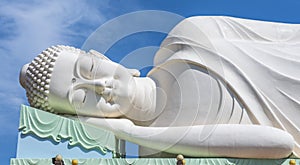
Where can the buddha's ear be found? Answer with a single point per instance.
(134, 72)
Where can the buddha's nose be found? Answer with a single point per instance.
(97, 85)
(22, 76)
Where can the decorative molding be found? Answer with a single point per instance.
(50, 126)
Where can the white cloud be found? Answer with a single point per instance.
(34, 25)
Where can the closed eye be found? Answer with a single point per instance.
(79, 98)
(92, 67)
(85, 67)
(83, 101)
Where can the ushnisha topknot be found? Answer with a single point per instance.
(35, 77)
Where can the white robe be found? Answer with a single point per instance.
(258, 62)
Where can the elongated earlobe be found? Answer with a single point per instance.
(134, 72)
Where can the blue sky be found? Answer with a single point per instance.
(30, 26)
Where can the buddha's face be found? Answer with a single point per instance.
(102, 85)
(69, 81)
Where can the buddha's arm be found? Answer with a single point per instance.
(245, 141)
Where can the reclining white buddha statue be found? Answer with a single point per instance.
(220, 87)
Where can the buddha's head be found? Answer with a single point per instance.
(67, 80)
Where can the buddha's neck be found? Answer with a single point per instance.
(144, 101)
